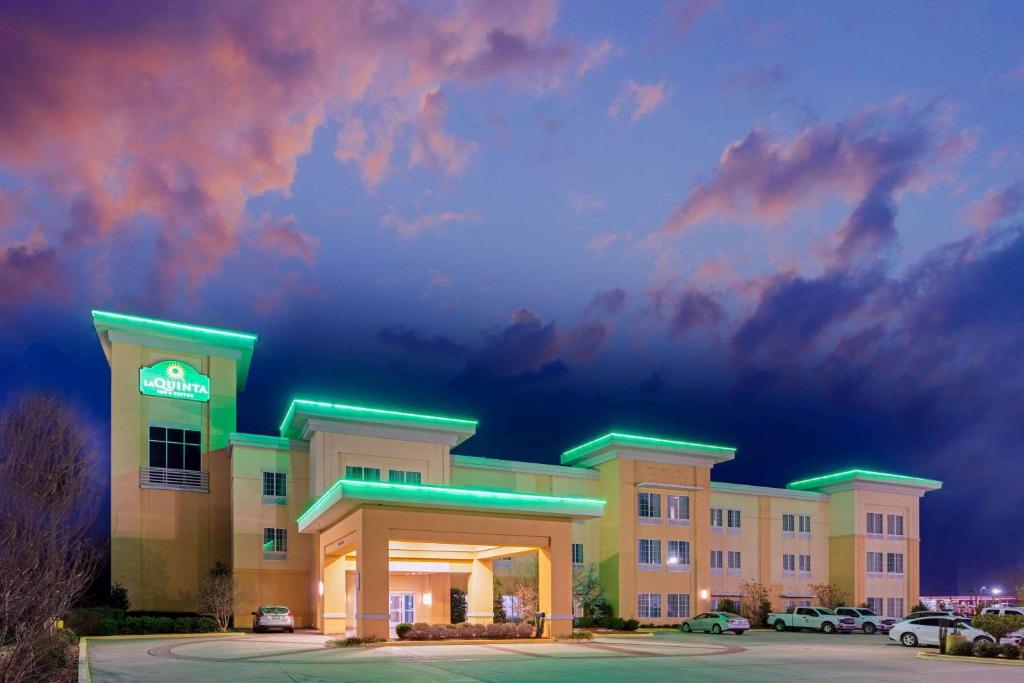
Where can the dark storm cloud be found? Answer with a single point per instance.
(410, 340)
(607, 302)
(692, 310)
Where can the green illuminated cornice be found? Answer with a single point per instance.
(444, 497)
(301, 410)
(828, 480)
(621, 440)
(240, 342)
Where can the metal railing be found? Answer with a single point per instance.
(174, 479)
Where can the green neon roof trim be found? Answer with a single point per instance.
(197, 334)
(641, 441)
(367, 414)
(450, 496)
(884, 477)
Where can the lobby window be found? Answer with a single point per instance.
(734, 563)
(788, 565)
(716, 520)
(362, 473)
(875, 524)
(894, 607)
(874, 563)
(679, 510)
(679, 556)
(678, 605)
(175, 460)
(648, 553)
(734, 519)
(577, 555)
(876, 605)
(275, 488)
(648, 508)
(894, 564)
(894, 526)
(805, 526)
(502, 563)
(716, 561)
(648, 605)
(805, 566)
(788, 525)
(404, 477)
(275, 544)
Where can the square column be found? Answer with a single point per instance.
(372, 583)
(554, 585)
(335, 595)
(481, 593)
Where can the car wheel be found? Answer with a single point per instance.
(291, 630)
(780, 626)
(982, 639)
(739, 632)
(828, 627)
(686, 628)
(257, 629)
(909, 639)
(870, 629)
(716, 629)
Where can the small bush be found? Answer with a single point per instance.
(402, 629)
(525, 630)
(352, 642)
(963, 648)
(69, 635)
(205, 625)
(1010, 651)
(108, 627)
(118, 597)
(584, 622)
(439, 632)
(630, 625)
(985, 648)
(577, 635)
(184, 625)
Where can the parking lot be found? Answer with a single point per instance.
(754, 656)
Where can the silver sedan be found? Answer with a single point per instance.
(716, 622)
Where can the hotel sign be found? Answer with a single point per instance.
(174, 379)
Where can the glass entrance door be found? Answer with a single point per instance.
(402, 608)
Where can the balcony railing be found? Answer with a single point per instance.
(174, 479)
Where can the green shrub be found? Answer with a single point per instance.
(108, 627)
(963, 648)
(459, 605)
(86, 621)
(1010, 651)
(118, 597)
(183, 625)
(986, 648)
(157, 613)
(68, 635)
(630, 625)
(352, 642)
(205, 625)
(577, 635)
(402, 629)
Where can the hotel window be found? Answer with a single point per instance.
(502, 563)
(678, 605)
(716, 561)
(648, 508)
(275, 488)
(894, 563)
(734, 563)
(716, 520)
(175, 449)
(875, 524)
(874, 565)
(403, 477)
(788, 525)
(876, 605)
(894, 607)
(805, 565)
(648, 605)
(679, 510)
(577, 554)
(805, 526)
(788, 565)
(679, 556)
(735, 521)
(275, 544)
(894, 525)
(648, 554)
(362, 473)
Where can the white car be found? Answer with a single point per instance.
(866, 620)
(267, 617)
(925, 631)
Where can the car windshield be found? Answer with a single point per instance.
(275, 610)
(822, 610)
(730, 615)
(867, 613)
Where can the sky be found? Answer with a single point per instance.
(793, 228)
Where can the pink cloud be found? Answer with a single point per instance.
(601, 242)
(596, 57)
(686, 13)
(433, 146)
(282, 237)
(638, 99)
(995, 206)
(586, 203)
(439, 278)
(431, 222)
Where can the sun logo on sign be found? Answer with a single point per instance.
(176, 371)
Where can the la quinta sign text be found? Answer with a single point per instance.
(174, 379)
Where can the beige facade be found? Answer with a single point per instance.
(358, 518)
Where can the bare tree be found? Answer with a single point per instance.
(47, 504)
(754, 602)
(829, 594)
(219, 594)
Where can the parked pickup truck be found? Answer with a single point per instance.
(866, 620)
(817, 618)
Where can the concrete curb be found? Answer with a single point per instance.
(452, 641)
(142, 636)
(84, 675)
(970, 660)
(642, 634)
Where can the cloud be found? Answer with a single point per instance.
(607, 302)
(638, 99)
(30, 270)
(595, 57)
(409, 340)
(761, 78)
(686, 13)
(586, 203)
(995, 206)
(433, 146)
(601, 242)
(280, 236)
(694, 310)
(431, 222)
(439, 278)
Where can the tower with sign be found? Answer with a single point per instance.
(173, 394)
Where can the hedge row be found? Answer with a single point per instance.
(422, 631)
(105, 621)
(984, 648)
(613, 623)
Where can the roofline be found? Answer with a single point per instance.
(367, 414)
(826, 480)
(480, 462)
(621, 439)
(771, 491)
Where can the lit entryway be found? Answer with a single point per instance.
(402, 608)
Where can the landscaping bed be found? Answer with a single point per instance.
(423, 631)
(109, 621)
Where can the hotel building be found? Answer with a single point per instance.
(358, 517)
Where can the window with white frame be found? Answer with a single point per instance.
(734, 563)
(648, 507)
(678, 605)
(876, 605)
(874, 563)
(894, 607)
(648, 605)
(788, 564)
(275, 544)
(734, 519)
(678, 556)
(275, 488)
(716, 561)
(716, 519)
(404, 477)
(512, 606)
(362, 473)
(678, 510)
(175, 449)
(805, 525)
(894, 525)
(875, 524)
(788, 524)
(894, 563)
(648, 553)
(805, 565)
(803, 603)
(577, 554)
